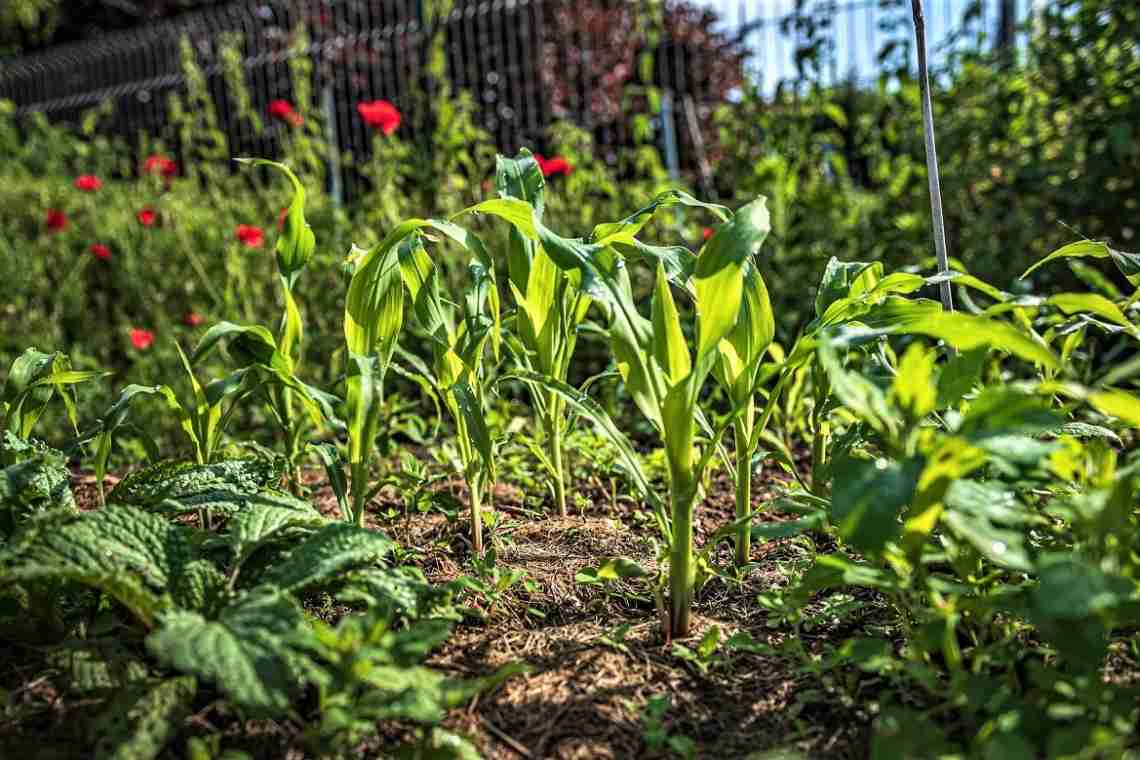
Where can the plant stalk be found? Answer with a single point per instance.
(741, 436)
(931, 156)
(554, 435)
(682, 569)
(359, 487)
(475, 486)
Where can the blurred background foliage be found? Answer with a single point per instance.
(1036, 150)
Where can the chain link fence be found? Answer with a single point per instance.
(526, 63)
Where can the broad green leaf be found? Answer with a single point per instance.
(1115, 403)
(375, 314)
(132, 556)
(193, 483)
(959, 375)
(515, 211)
(867, 498)
(326, 554)
(1001, 411)
(143, 717)
(262, 522)
(247, 652)
(362, 400)
(913, 389)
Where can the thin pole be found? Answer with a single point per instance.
(931, 156)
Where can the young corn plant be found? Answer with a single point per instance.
(662, 375)
(279, 357)
(550, 309)
(395, 271)
(741, 371)
(33, 380)
(457, 374)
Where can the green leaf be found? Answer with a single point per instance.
(976, 512)
(669, 346)
(612, 569)
(959, 375)
(627, 228)
(143, 718)
(913, 387)
(262, 522)
(329, 551)
(1073, 303)
(845, 279)
(965, 332)
(330, 457)
(133, 556)
(249, 344)
(374, 314)
(40, 482)
(191, 483)
(475, 424)
(247, 652)
(718, 278)
(1079, 249)
(1003, 411)
(1120, 404)
(363, 401)
(867, 498)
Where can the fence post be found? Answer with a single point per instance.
(669, 134)
(328, 110)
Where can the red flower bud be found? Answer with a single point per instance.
(250, 236)
(88, 183)
(380, 114)
(141, 339)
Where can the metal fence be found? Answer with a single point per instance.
(525, 62)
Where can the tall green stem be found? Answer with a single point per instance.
(554, 436)
(359, 487)
(475, 486)
(682, 568)
(742, 435)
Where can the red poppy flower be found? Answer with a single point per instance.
(707, 232)
(379, 114)
(55, 220)
(284, 111)
(159, 164)
(100, 251)
(192, 319)
(250, 236)
(88, 183)
(552, 166)
(281, 218)
(147, 216)
(141, 339)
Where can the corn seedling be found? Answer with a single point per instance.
(550, 309)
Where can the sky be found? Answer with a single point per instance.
(860, 30)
